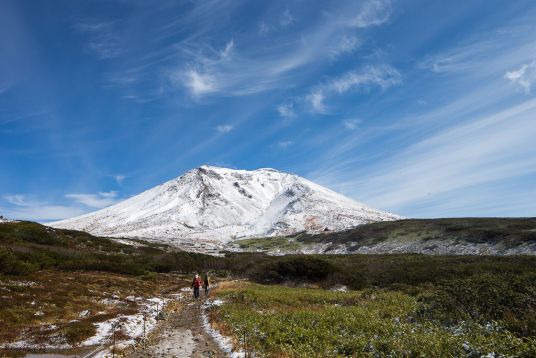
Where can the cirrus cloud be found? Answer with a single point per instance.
(98, 200)
(524, 77)
(383, 76)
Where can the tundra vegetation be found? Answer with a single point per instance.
(278, 321)
(411, 305)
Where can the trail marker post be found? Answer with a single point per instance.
(144, 320)
(113, 349)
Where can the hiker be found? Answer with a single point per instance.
(196, 283)
(206, 283)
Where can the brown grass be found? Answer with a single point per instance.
(59, 298)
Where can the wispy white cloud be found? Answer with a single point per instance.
(119, 178)
(20, 200)
(43, 213)
(525, 76)
(468, 154)
(224, 128)
(24, 208)
(98, 200)
(286, 110)
(485, 150)
(485, 54)
(351, 124)
(286, 18)
(227, 50)
(316, 100)
(443, 156)
(237, 69)
(459, 58)
(346, 45)
(383, 76)
(204, 76)
(196, 82)
(102, 38)
(373, 13)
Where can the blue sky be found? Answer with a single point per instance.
(424, 108)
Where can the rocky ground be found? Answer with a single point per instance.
(179, 334)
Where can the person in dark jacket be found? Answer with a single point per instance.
(206, 283)
(196, 283)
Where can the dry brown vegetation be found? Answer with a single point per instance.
(60, 306)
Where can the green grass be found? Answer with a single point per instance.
(277, 321)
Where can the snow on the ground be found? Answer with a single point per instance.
(339, 288)
(225, 343)
(216, 302)
(21, 283)
(129, 242)
(55, 342)
(129, 325)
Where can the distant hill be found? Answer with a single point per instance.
(453, 236)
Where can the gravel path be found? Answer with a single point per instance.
(180, 335)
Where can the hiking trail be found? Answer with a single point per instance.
(180, 334)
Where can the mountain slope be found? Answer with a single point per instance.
(452, 236)
(216, 205)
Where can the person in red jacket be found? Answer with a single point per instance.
(196, 283)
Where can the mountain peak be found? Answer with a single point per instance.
(212, 204)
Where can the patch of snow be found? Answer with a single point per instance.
(176, 296)
(4, 220)
(19, 283)
(24, 344)
(110, 301)
(130, 242)
(339, 288)
(225, 343)
(84, 313)
(216, 302)
(130, 325)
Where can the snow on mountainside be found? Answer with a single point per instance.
(216, 205)
(4, 220)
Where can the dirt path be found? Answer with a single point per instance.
(180, 335)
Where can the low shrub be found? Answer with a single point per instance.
(77, 332)
(10, 264)
(295, 268)
(507, 299)
(277, 321)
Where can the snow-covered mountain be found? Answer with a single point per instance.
(213, 206)
(4, 220)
